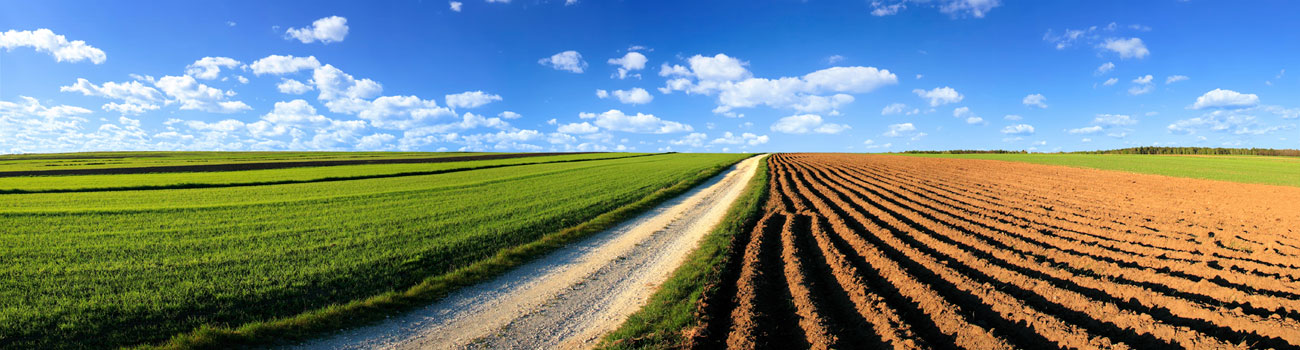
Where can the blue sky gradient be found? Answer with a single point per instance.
(1036, 75)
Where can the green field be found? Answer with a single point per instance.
(1248, 169)
(83, 183)
(123, 268)
(103, 160)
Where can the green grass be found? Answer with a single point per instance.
(1248, 169)
(671, 310)
(245, 265)
(83, 183)
(102, 160)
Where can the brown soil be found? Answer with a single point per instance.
(263, 165)
(878, 251)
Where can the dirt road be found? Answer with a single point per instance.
(569, 298)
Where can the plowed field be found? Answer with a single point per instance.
(877, 251)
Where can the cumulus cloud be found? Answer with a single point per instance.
(1086, 130)
(1142, 85)
(1110, 81)
(1127, 48)
(44, 40)
(471, 99)
(633, 96)
(195, 96)
(566, 61)
(903, 130)
(293, 87)
(939, 96)
(965, 112)
(1220, 98)
(807, 123)
(1175, 78)
(632, 61)
(1018, 129)
(1037, 100)
(455, 5)
(509, 115)
(402, 112)
(954, 8)
(276, 64)
(578, 128)
(1114, 119)
(893, 108)
(209, 68)
(325, 30)
(750, 139)
(136, 97)
(616, 120)
(1105, 68)
(1232, 121)
(735, 86)
(341, 89)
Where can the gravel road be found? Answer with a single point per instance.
(569, 298)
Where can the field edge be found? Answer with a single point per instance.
(322, 321)
(671, 312)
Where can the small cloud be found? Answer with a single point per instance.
(834, 59)
(1127, 48)
(1105, 68)
(566, 61)
(455, 5)
(1018, 129)
(1175, 78)
(325, 30)
(939, 96)
(1037, 100)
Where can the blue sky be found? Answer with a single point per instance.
(528, 75)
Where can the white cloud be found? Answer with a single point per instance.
(1114, 119)
(1127, 48)
(720, 67)
(471, 99)
(1085, 130)
(1231, 121)
(195, 96)
(616, 120)
(1018, 129)
(1220, 98)
(1012, 117)
(296, 112)
(137, 98)
(1037, 100)
(632, 61)
(871, 144)
(455, 5)
(902, 129)
(1142, 85)
(634, 96)
(834, 59)
(209, 68)
(341, 89)
(695, 139)
(806, 123)
(1105, 68)
(402, 112)
(276, 64)
(893, 108)
(578, 128)
(1175, 78)
(965, 112)
(509, 115)
(735, 87)
(325, 30)
(44, 40)
(1110, 81)
(293, 87)
(939, 96)
(751, 139)
(566, 61)
(954, 8)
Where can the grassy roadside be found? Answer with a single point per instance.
(320, 321)
(1266, 170)
(671, 310)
